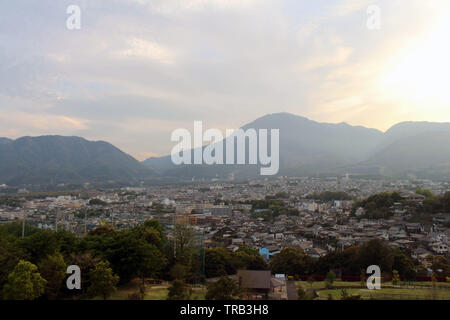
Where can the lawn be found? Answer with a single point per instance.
(156, 293)
(321, 284)
(345, 284)
(404, 291)
(153, 292)
(389, 294)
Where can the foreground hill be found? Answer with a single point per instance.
(58, 159)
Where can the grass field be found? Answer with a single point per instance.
(153, 292)
(389, 294)
(404, 291)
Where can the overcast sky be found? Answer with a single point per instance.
(138, 69)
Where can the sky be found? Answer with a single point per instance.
(136, 70)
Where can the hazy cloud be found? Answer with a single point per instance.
(138, 69)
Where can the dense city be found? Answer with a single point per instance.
(317, 216)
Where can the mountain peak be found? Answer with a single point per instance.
(5, 140)
(61, 159)
(281, 115)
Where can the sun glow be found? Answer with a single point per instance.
(421, 75)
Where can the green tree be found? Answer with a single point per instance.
(24, 282)
(53, 269)
(178, 291)
(103, 280)
(223, 289)
(178, 272)
(377, 205)
(97, 202)
(249, 259)
(68, 243)
(362, 277)
(433, 280)
(375, 252)
(152, 232)
(329, 280)
(219, 262)
(301, 293)
(14, 229)
(310, 281)
(425, 192)
(395, 277)
(290, 261)
(446, 201)
(10, 254)
(183, 242)
(153, 261)
(432, 205)
(403, 264)
(86, 261)
(129, 254)
(346, 296)
(39, 244)
(439, 265)
(102, 229)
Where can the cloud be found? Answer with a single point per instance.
(335, 57)
(17, 124)
(140, 48)
(177, 6)
(138, 69)
(347, 7)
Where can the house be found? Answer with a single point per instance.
(264, 252)
(233, 248)
(278, 289)
(404, 243)
(269, 251)
(316, 252)
(304, 245)
(439, 247)
(237, 242)
(420, 254)
(256, 283)
(412, 197)
(360, 211)
(442, 218)
(274, 249)
(414, 227)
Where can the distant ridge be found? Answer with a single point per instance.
(59, 159)
(308, 147)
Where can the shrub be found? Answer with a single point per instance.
(134, 296)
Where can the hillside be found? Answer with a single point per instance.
(57, 159)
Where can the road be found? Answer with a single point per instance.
(291, 290)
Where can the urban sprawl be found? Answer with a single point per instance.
(316, 215)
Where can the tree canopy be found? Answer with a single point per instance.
(24, 282)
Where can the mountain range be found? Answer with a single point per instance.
(312, 148)
(306, 148)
